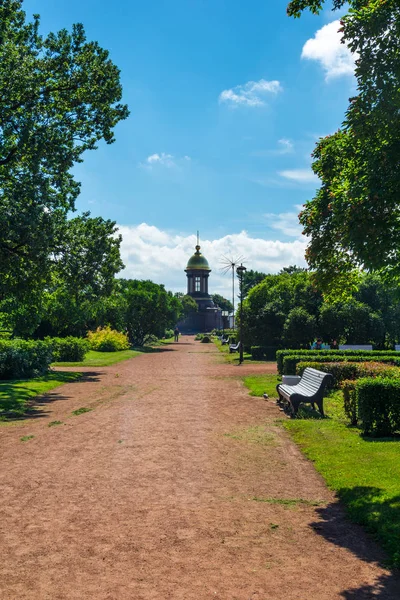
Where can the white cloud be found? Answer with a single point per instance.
(300, 175)
(163, 159)
(251, 93)
(285, 146)
(151, 253)
(287, 223)
(326, 48)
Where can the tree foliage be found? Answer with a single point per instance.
(286, 310)
(354, 220)
(60, 95)
(223, 303)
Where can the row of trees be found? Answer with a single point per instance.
(60, 96)
(286, 310)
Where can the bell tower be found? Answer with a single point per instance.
(197, 273)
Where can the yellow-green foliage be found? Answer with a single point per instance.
(107, 340)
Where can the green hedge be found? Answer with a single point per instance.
(348, 370)
(378, 405)
(68, 349)
(290, 362)
(309, 354)
(21, 359)
(263, 352)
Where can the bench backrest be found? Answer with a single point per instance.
(356, 347)
(313, 380)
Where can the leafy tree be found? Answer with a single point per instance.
(60, 96)
(250, 279)
(82, 271)
(222, 302)
(354, 220)
(299, 329)
(188, 305)
(150, 310)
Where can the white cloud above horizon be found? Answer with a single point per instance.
(151, 253)
(326, 48)
(166, 160)
(252, 93)
(300, 175)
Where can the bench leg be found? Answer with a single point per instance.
(321, 407)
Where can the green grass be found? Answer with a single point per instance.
(288, 502)
(81, 411)
(101, 359)
(16, 396)
(262, 384)
(26, 438)
(365, 473)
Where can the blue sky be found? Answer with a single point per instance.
(227, 100)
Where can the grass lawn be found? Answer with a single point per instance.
(16, 395)
(262, 384)
(364, 472)
(104, 359)
(101, 359)
(231, 358)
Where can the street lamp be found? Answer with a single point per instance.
(240, 271)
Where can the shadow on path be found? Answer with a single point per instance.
(362, 503)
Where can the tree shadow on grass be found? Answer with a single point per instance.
(381, 517)
(17, 402)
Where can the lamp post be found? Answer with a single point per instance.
(224, 315)
(240, 271)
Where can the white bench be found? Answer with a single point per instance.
(356, 347)
(234, 348)
(310, 389)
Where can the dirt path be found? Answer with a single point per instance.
(170, 489)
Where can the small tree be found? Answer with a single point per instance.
(299, 329)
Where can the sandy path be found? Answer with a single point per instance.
(168, 489)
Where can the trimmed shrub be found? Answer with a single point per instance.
(107, 340)
(348, 370)
(350, 400)
(263, 352)
(68, 349)
(205, 339)
(169, 333)
(378, 405)
(290, 362)
(309, 355)
(21, 359)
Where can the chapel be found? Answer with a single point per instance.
(208, 316)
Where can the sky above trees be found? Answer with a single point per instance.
(227, 101)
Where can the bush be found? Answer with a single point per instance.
(257, 352)
(350, 400)
(263, 352)
(20, 359)
(378, 404)
(290, 362)
(68, 349)
(345, 354)
(169, 333)
(205, 339)
(107, 340)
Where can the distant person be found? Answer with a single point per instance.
(176, 334)
(334, 345)
(318, 344)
